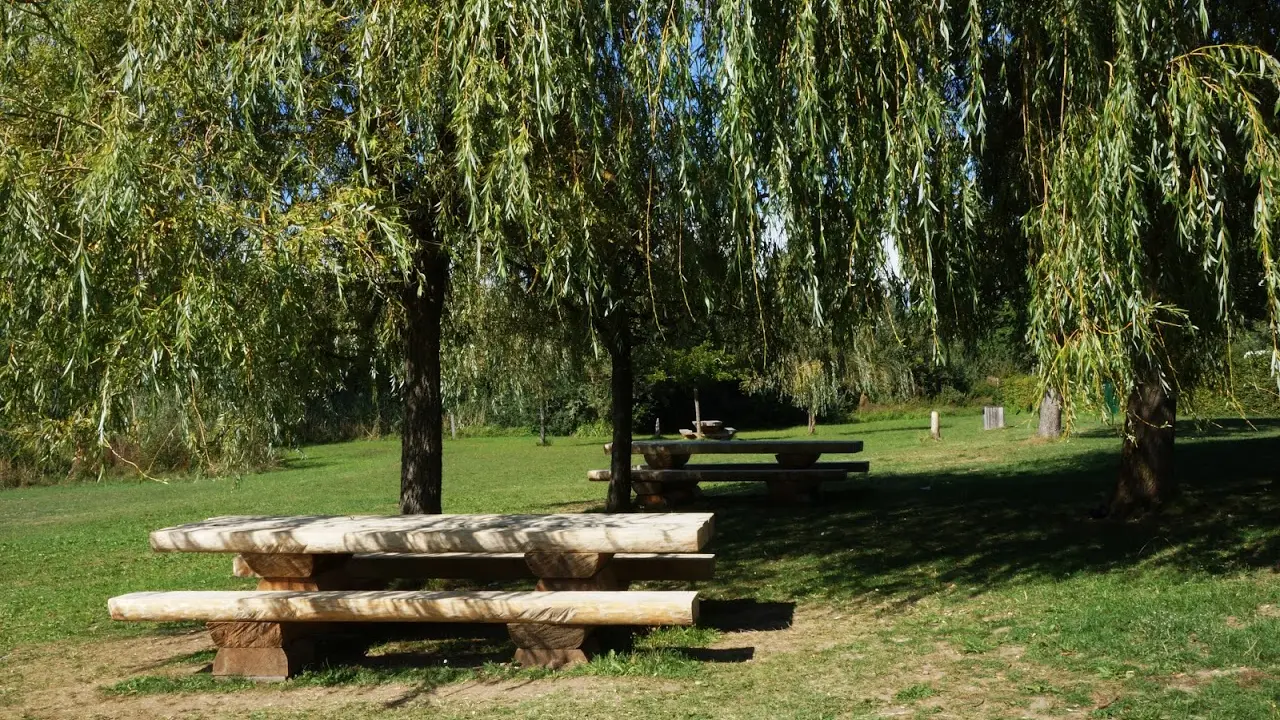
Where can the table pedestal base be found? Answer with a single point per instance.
(556, 646)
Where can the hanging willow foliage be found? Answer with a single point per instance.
(195, 194)
(1155, 163)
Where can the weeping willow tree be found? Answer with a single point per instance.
(189, 185)
(1132, 170)
(193, 184)
(1152, 166)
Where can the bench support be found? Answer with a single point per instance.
(555, 646)
(663, 495)
(261, 650)
(274, 650)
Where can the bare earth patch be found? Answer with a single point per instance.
(67, 681)
(862, 667)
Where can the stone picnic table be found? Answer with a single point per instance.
(314, 571)
(666, 479)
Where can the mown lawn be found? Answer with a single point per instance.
(962, 578)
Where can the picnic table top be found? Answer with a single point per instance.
(742, 447)
(320, 534)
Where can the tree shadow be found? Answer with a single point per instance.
(746, 614)
(917, 534)
(1221, 427)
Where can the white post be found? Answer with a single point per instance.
(934, 430)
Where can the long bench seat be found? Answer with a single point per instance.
(658, 607)
(662, 487)
(747, 472)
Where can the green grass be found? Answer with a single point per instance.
(962, 576)
(919, 691)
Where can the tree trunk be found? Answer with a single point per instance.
(453, 426)
(697, 414)
(813, 423)
(542, 423)
(421, 443)
(1146, 478)
(1050, 415)
(619, 499)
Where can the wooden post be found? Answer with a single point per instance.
(992, 417)
(935, 429)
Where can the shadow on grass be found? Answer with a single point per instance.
(908, 536)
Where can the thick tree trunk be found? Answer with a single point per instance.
(1146, 478)
(1050, 415)
(421, 437)
(619, 499)
(813, 423)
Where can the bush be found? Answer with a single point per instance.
(1019, 393)
(598, 428)
(1254, 392)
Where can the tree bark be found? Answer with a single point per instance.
(813, 423)
(542, 423)
(1146, 478)
(1050, 415)
(619, 498)
(697, 414)
(421, 446)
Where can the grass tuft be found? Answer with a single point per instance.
(916, 692)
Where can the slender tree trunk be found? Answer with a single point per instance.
(697, 414)
(542, 423)
(619, 499)
(1050, 415)
(1146, 478)
(453, 426)
(421, 443)
(813, 423)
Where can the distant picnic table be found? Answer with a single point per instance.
(664, 480)
(315, 570)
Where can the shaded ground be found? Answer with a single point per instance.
(961, 579)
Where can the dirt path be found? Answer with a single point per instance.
(859, 654)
